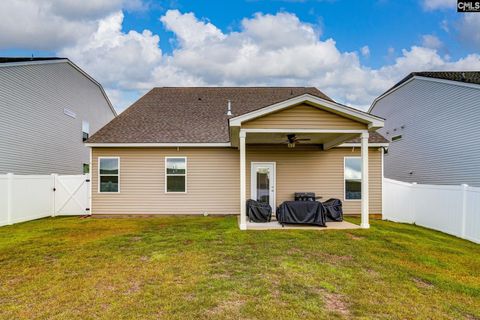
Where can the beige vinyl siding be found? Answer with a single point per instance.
(303, 117)
(213, 178)
(308, 169)
(212, 182)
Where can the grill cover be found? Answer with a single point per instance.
(301, 212)
(333, 208)
(258, 211)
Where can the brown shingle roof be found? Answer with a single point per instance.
(191, 115)
(176, 115)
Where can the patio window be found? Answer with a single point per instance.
(175, 174)
(353, 178)
(109, 174)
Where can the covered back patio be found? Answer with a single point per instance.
(302, 145)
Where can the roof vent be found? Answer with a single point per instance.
(229, 108)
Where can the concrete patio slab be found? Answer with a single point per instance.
(274, 225)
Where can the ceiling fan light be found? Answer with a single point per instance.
(291, 145)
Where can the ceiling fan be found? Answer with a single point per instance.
(292, 140)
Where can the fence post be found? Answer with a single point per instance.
(54, 189)
(9, 198)
(89, 190)
(464, 210)
(413, 206)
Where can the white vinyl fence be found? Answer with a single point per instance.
(451, 209)
(28, 197)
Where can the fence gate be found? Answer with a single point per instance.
(72, 195)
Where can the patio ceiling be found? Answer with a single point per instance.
(315, 138)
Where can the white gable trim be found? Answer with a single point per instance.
(95, 82)
(371, 120)
(450, 82)
(36, 62)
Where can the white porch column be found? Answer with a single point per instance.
(243, 184)
(365, 196)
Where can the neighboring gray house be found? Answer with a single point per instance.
(48, 106)
(433, 121)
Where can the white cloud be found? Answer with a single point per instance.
(190, 31)
(115, 58)
(365, 51)
(439, 4)
(468, 28)
(267, 50)
(431, 41)
(52, 24)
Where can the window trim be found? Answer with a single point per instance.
(176, 175)
(345, 179)
(108, 175)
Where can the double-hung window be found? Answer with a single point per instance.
(109, 174)
(353, 178)
(175, 174)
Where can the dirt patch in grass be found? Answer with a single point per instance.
(134, 288)
(229, 306)
(373, 272)
(354, 237)
(421, 283)
(331, 258)
(336, 303)
(294, 251)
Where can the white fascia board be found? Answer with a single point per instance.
(299, 130)
(451, 82)
(372, 120)
(387, 93)
(96, 83)
(37, 62)
(373, 145)
(156, 145)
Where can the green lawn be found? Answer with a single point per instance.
(205, 268)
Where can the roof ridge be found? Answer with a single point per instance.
(236, 87)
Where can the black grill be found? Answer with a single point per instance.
(304, 196)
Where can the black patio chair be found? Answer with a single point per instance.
(259, 211)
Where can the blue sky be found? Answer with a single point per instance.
(352, 50)
(380, 24)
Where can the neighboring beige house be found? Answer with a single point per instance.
(193, 151)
